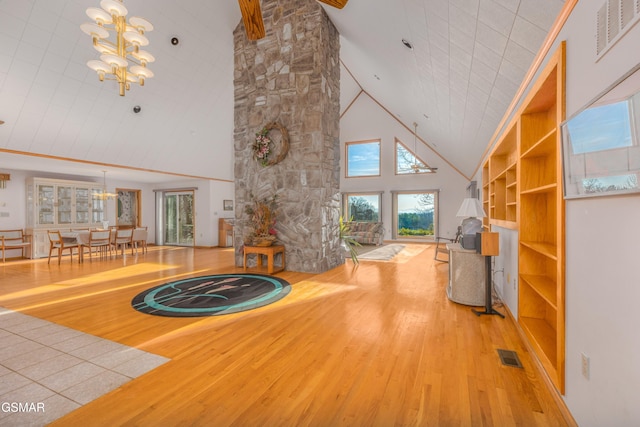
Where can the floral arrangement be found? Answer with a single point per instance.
(262, 219)
(262, 146)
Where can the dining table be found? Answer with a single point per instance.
(81, 238)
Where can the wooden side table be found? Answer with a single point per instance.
(269, 251)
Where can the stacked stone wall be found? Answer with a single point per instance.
(291, 77)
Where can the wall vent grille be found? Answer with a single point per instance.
(613, 20)
(627, 12)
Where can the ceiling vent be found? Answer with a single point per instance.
(613, 20)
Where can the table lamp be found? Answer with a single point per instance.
(471, 210)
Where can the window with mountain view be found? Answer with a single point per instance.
(416, 214)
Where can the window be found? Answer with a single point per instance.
(408, 162)
(601, 152)
(363, 158)
(362, 207)
(415, 214)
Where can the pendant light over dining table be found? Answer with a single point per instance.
(119, 42)
(104, 195)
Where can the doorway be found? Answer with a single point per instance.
(128, 208)
(178, 218)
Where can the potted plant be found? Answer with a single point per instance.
(348, 242)
(262, 220)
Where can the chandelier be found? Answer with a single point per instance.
(117, 52)
(104, 195)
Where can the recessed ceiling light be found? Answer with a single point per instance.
(407, 44)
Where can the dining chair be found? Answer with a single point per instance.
(441, 245)
(123, 239)
(57, 242)
(100, 240)
(140, 237)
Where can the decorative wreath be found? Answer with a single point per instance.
(263, 145)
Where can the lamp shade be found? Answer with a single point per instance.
(144, 56)
(471, 207)
(94, 30)
(140, 23)
(99, 15)
(142, 72)
(114, 7)
(99, 66)
(135, 38)
(114, 60)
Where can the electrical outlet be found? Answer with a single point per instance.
(585, 365)
(514, 283)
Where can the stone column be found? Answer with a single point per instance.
(292, 77)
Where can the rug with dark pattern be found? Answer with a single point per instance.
(211, 295)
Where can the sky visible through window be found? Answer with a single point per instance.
(405, 159)
(410, 203)
(363, 159)
(597, 130)
(601, 128)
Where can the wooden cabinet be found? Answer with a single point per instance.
(61, 205)
(522, 190)
(225, 232)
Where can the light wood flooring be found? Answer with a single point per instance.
(378, 345)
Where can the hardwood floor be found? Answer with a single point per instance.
(376, 345)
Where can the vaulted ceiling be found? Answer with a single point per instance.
(467, 61)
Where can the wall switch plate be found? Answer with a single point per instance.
(585, 365)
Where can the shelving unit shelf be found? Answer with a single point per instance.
(500, 182)
(522, 190)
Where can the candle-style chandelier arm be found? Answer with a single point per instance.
(115, 55)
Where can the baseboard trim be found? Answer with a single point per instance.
(557, 397)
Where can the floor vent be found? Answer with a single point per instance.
(509, 358)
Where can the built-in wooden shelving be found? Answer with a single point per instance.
(500, 182)
(522, 190)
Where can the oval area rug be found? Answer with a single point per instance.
(211, 295)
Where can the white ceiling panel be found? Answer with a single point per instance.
(527, 34)
(496, 17)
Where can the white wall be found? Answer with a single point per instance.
(13, 202)
(365, 120)
(505, 268)
(602, 235)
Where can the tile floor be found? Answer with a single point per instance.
(51, 370)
